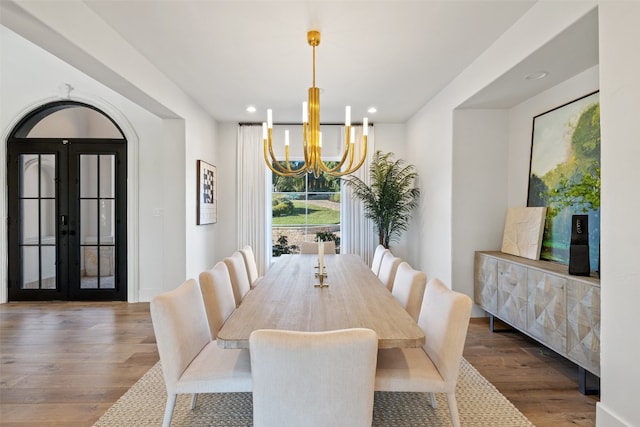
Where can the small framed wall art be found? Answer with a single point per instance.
(207, 194)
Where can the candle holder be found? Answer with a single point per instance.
(324, 269)
(321, 277)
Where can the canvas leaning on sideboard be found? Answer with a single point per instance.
(540, 299)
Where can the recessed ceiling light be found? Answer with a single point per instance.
(537, 75)
(251, 109)
(372, 110)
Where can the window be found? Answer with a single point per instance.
(304, 209)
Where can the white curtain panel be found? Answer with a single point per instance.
(254, 222)
(358, 235)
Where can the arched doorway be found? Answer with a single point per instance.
(66, 176)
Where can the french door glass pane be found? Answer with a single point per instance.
(30, 219)
(29, 171)
(88, 221)
(48, 256)
(48, 218)
(107, 174)
(47, 175)
(107, 214)
(30, 267)
(88, 176)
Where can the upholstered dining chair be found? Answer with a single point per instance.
(217, 294)
(250, 263)
(388, 268)
(239, 277)
(313, 378)
(434, 368)
(377, 259)
(312, 247)
(408, 288)
(191, 362)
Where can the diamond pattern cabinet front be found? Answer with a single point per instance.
(485, 283)
(546, 311)
(512, 294)
(542, 300)
(583, 325)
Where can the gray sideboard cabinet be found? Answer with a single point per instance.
(541, 299)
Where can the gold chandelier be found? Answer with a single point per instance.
(312, 138)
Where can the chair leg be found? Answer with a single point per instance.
(453, 409)
(168, 411)
(434, 404)
(194, 400)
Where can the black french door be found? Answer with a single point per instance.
(67, 219)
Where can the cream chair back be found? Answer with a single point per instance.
(312, 247)
(444, 318)
(388, 268)
(181, 329)
(250, 263)
(377, 259)
(434, 368)
(239, 277)
(191, 361)
(313, 379)
(408, 288)
(217, 293)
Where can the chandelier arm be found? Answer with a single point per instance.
(360, 163)
(278, 168)
(272, 160)
(348, 149)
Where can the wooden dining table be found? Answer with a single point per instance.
(287, 298)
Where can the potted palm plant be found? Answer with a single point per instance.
(390, 198)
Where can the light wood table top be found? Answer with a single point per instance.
(287, 299)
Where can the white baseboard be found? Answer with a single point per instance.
(605, 418)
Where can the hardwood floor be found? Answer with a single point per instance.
(539, 382)
(65, 364)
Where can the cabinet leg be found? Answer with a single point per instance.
(492, 325)
(583, 376)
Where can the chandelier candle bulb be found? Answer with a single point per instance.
(269, 119)
(264, 131)
(365, 126)
(347, 116)
(286, 137)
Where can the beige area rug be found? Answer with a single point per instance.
(479, 403)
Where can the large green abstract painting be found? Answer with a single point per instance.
(564, 174)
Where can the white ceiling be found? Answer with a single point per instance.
(394, 54)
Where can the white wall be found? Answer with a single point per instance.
(226, 153)
(620, 127)
(480, 147)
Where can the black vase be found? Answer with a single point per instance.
(579, 248)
